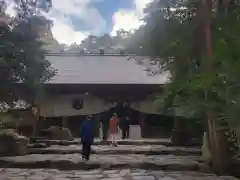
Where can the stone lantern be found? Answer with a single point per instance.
(34, 110)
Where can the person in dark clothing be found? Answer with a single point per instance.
(104, 123)
(87, 137)
(125, 127)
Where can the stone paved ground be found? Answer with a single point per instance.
(102, 161)
(165, 141)
(129, 161)
(124, 174)
(121, 149)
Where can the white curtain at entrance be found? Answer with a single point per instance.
(62, 106)
(147, 106)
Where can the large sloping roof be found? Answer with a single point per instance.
(92, 68)
(101, 69)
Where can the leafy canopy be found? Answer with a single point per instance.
(22, 62)
(175, 33)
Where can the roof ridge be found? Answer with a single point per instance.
(87, 54)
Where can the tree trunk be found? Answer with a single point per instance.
(218, 142)
(219, 147)
(213, 140)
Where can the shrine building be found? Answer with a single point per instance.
(100, 84)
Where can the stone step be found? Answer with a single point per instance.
(99, 174)
(166, 142)
(121, 149)
(74, 162)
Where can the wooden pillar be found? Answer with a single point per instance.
(175, 132)
(96, 120)
(64, 122)
(142, 123)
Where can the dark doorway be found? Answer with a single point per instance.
(124, 110)
(157, 126)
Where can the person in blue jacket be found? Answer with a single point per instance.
(87, 137)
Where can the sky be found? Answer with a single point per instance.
(73, 20)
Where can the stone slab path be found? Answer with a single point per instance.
(121, 149)
(166, 142)
(147, 159)
(74, 161)
(124, 174)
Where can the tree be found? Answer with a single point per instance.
(22, 60)
(197, 41)
(23, 67)
(31, 7)
(112, 44)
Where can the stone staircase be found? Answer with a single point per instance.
(150, 154)
(132, 159)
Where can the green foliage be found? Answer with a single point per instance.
(174, 32)
(22, 63)
(5, 118)
(112, 44)
(29, 7)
